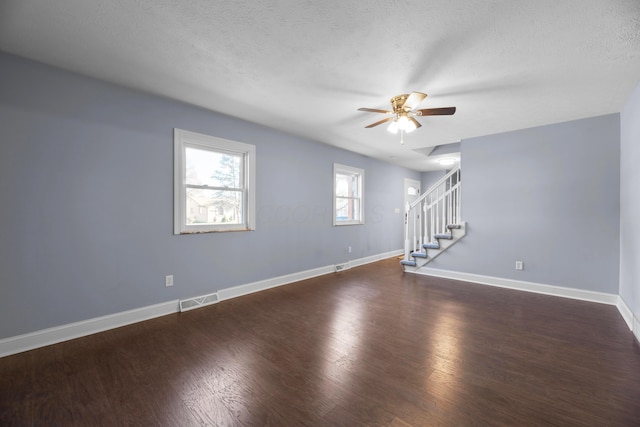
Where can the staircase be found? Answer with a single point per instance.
(432, 222)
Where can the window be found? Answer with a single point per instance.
(214, 184)
(348, 195)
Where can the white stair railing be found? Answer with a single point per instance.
(430, 214)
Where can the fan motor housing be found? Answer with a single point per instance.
(397, 102)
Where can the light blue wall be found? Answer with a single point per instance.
(630, 203)
(548, 196)
(86, 183)
(430, 178)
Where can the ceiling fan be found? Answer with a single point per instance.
(402, 117)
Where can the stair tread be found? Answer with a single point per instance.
(443, 236)
(419, 254)
(431, 246)
(409, 263)
(454, 226)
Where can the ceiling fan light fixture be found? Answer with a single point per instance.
(408, 125)
(401, 123)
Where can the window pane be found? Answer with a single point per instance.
(346, 185)
(347, 209)
(213, 207)
(204, 167)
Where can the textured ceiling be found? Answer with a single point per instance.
(304, 67)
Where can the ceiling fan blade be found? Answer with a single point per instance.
(379, 122)
(415, 122)
(413, 100)
(445, 111)
(375, 110)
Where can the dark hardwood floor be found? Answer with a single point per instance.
(366, 346)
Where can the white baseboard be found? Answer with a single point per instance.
(538, 288)
(612, 299)
(30, 341)
(249, 288)
(626, 313)
(633, 322)
(33, 340)
(374, 258)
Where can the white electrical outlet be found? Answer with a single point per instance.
(349, 249)
(168, 280)
(519, 265)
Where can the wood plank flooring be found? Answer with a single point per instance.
(366, 346)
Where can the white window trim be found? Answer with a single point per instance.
(337, 167)
(183, 139)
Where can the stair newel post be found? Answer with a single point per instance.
(435, 207)
(431, 219)
(454, 204)
(444, 209)
(415, 228)
(458, 218)
(447, 197)
(450, 201)
(445, 204)
(440, 210)
(418, 209)
(406, 232)
(425, 233)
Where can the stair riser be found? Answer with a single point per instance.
(417, 262)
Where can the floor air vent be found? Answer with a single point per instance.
(340, 267)
(197, 302)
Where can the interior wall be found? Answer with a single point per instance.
(630, 203)
(86, 180)
(429, 178)
(548, 196)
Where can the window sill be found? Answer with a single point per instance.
(225, 230)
